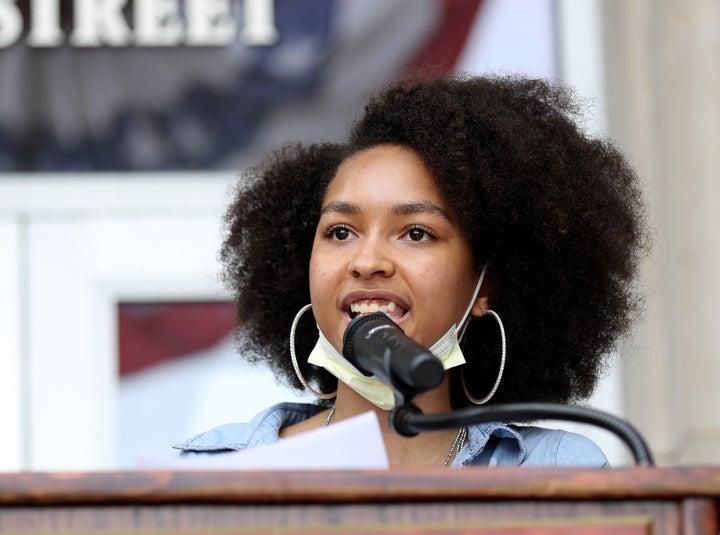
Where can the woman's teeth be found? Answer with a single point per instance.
(370, 307)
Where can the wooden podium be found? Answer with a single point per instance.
(507, 501)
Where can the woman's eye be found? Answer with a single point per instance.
(338, 232)
(418, 234)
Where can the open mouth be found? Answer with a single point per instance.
(369, 306)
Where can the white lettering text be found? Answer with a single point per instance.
(210, 23)
(158, 23)
(45, 31)
(100, 22)
(11, 23)
(259, 23)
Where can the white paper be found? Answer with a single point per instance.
(355, 443)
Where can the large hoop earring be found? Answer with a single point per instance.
(299, 374)
(500, 372)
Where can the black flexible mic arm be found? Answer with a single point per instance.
(408, 420)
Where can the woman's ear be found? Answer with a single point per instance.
(482, 303)
(486, 295)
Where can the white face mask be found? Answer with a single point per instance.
(447, 349)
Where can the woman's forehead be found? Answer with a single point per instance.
(378, 172)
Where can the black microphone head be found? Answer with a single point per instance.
(428, 372)
(376, 345)
(352, 328)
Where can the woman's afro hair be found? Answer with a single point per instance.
(558, 217)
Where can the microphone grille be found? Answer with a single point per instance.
(352, 328)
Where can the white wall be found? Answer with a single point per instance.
(72, 249)
(11, 370)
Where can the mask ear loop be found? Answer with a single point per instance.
(466, 317)
(293, 356)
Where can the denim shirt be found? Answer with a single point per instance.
(488, 444)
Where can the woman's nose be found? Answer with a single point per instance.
(371, 258)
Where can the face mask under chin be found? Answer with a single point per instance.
(447, 349)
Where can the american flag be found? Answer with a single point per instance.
(135, 108)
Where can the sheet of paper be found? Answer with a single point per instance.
(355, 443)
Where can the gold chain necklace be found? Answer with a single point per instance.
(455, 447)
(329, 417)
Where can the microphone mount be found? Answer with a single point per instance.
(408, 420)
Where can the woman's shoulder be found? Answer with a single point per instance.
(558, 447)
(499, 444)
(263, 428)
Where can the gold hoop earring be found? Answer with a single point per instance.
(293, 356)
(487, 398)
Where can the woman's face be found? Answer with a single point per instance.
(386, 240)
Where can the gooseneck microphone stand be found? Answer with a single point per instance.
(377, 346)
(408, 420)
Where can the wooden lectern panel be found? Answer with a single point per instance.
(507, 501)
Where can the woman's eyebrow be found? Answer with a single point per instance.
(410, 208)
(341, 207)
(423, 207)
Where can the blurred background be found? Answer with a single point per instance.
(122, 132)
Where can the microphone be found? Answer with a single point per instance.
(375, 345)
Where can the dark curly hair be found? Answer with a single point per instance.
(558, 216)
